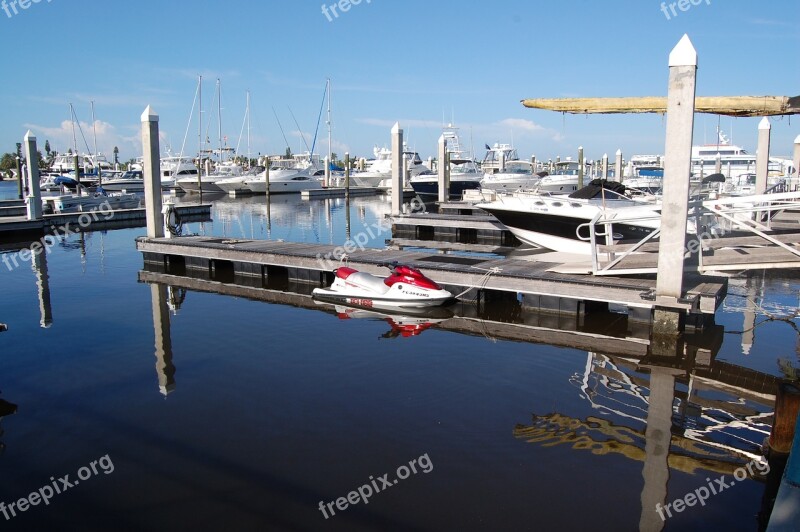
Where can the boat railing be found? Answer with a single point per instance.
(712, 219)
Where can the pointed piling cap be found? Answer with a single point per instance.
(764, 124)
(149, 115)
(605, 156)
(29, 136)
(442, 140)
(683, 54)
(797, 139)
(619, 152)
(396, 128)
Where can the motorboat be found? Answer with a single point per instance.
(560, 222)
(238, 184)
(405, 287)
(378, 172)
(516, 175)
(464, 172)
(130, 181)
(83, 202)
(733, 160)
(174, 168)
(285, 180)
(497, 157)
(564, 178)
(208, 183)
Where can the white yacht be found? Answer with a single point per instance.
(65, 162)
(516, 175)
(130, 181)
(303, 171)
(208, 183)
(564, 179)
(734, 160)
(464, 172)
(378, 172)
(497, 157)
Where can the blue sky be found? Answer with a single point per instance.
(413, 61)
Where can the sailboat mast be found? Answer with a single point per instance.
(248, 129)
(329, 124)
(74, 138)
(219, 120)
(200, 127)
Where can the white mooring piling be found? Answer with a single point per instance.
(580, 166)
(34, 199)
(152, 174)
(677, 169)
(618, 173)
(796, 160)
(762, 155)
(718, 164)
(397, 169)
(444, 183)
(605, 166)
(533, 164)
(347, 174)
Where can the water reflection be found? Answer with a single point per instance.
(161, 304)
(39, 265)
(6, 409)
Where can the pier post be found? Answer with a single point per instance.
(266, 175)
(163, 339)
(580, 167)
(397, 169)
(327, 179)
(346, 174)
(605, 167)
(444, 185)
(677, 167)
(502, 162)
(762, 155)
(20, 177)
(34, 199)
(796, 160)
(718, 164)
(151, 165)
(430, 163)
(618, 167)
(77, 166)
(533, 164)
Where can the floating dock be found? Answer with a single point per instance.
(534, 282)
(463, 228)
(337, 192)
(77, 221)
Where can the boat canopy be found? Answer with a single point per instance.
(596, 187)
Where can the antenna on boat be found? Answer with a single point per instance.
(327, 170)
(94, 132)
(200, 130)
(74, 138)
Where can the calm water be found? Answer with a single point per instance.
(272, 408)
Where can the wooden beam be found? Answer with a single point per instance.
(721, 105)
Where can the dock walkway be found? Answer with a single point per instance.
(540, 286)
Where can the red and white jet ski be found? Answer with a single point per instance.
(406, 287)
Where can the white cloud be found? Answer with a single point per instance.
(61, 138)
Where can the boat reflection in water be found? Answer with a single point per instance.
(403, 325)
(670, 405)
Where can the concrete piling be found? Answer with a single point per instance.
(677, 169)
(718, 164)
(397, 169)
(796, 159)
(152, 174)
(580, 167)
(444, 185)
(533, 164)
(20, 177)
(266, 174)
(762, 155)
(34, 199)
(618, 171)
(605, 166)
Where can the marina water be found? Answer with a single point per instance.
(261, 411)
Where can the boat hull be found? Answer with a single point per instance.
(431, 188)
